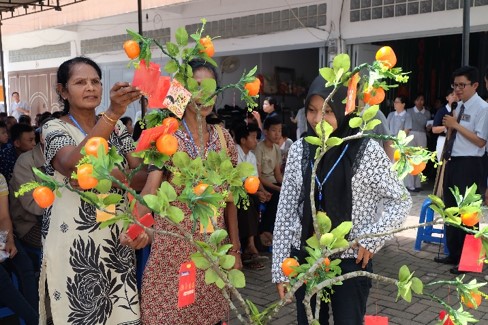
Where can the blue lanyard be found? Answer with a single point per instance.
(321, 184)
(191, 137)
(77, 124)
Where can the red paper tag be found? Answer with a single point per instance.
(148, 136)
(471, 258)
(146, 78)
(156, 99)
(186, 284)
(135, 230)
(375, 320)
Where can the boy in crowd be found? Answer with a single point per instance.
(23, 139)
(464, 151)
(268, 157)
(246, 138)
(3, 135)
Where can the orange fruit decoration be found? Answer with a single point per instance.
(253, 87)
(467, 302)
(91, 146)
(397, 155)
(85, 179)
(200, 188)
(418, 168)
(170, 125)
(132, 49)
(167, 144)
(287, 265)
(327, 264)
(208, 46)
(470, 219)
(251, 184)
(43, 196)
(387, 56)
(374, 96)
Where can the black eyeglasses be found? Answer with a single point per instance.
(460, 85)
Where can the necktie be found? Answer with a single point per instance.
(450, 141)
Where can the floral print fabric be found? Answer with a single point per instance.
(90, 277)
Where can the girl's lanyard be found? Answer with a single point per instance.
(194, 146)
(77, 124)
(320, 184)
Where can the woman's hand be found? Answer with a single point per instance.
(363, 255)
(282, 290)
(139, 242)
(121, 95)
(10, 247)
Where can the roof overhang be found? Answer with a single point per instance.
(15, 8)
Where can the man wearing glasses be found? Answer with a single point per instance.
(465, 147)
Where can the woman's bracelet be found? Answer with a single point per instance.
(234, 251)
(108, 118)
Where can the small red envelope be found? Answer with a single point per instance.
(135, 230)
(146, 78)
(156, 99)
(186, 284)
(471, 258)
(375, 320)
(148, 136)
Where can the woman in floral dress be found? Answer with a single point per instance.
(87, 275)
(159, 298)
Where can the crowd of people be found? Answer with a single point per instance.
(91, 278)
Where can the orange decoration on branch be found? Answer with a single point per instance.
(43, 196)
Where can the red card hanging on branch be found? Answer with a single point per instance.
(135, 230)
(471, 258)
(156, 99)
(375, 320)
(146, 78)
(186, 285)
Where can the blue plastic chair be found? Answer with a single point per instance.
(7, 312)
(429, 234)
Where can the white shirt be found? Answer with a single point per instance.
(13, 108)
(250, 157)
(475, 119)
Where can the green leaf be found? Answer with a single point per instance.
(210, 276)
(222, 250)
(175, 214)
(334, 141)
(200, 261)
(342, 229)
(328, 74)
(103, 186)
(167, 189)
(41, 175)
(217, 236)
(91, 198)
(340, 243)
(181, 36)
(341, 61)
(403, 274)
(313, 141)
(417, 286)
(208, 86)
(172, 48)
(372, 124)
(152, 202)
(313, 242)
(237, 278)
(181, 160)
(227, 261)
(355, 122)
(245, 169)
(171, 67)
(112, 199)
(220, 283)
(370, 112)
(192, 84)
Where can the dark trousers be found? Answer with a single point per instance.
(348, 300)
(268, 217)
(461, 172)
(24, 304)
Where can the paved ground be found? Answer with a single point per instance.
(387, 262)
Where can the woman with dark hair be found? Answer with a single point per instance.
(352, 180)
(159, 297)
(88, 275)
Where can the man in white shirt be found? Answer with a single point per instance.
(464, 166)
(18, 107)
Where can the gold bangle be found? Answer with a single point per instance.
(108, 118)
